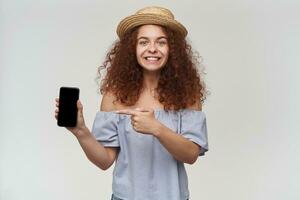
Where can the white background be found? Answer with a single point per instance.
(251, 54)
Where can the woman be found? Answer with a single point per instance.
(150, 121)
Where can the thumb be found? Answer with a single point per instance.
(79, 107)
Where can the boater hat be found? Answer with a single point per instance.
(151, 15)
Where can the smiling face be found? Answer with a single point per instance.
(152, 48)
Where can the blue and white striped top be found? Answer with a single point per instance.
(144, 169)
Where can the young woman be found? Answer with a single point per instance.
(150, 122)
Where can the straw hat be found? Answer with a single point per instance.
(151, 15)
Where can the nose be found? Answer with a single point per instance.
(152, 47)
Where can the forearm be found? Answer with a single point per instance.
(94, 150)
(181, 148)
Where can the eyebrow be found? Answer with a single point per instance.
(161, 37)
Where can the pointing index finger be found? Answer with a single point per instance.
(126, 112)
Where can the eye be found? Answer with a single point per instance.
(143, 42)
(162, 42)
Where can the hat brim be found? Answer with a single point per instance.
(136, 20)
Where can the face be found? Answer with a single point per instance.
(152, 49)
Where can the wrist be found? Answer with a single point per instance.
(82, 132)
(158, 130)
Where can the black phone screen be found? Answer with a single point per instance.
(67, 114)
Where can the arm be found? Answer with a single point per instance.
(102, 157)
(181, 148)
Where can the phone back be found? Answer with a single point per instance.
(67, 115)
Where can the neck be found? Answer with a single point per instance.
(150, 80)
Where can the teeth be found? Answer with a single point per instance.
(152, 58)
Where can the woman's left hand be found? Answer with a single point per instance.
(142, 120)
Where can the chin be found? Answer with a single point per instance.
(152, 68)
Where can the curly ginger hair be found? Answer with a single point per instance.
(180, 84)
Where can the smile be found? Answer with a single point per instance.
(151, 58)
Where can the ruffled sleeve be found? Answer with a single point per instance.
(192, 125)
(105, 128)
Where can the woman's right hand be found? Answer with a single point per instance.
(80, 129)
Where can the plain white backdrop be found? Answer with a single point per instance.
(250, 51)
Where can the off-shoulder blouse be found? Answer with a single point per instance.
(144, 169)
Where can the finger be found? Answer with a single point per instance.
(134, 118)
(56, 113)
(80, 108)
(125, 111)
(143, 109)
(56, 110)
(79, 105)
(57, 100)
(133, 123)
(57, 104)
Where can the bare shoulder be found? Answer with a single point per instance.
(196, 106)
(108, 102)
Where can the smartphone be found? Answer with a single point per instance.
(67, 114)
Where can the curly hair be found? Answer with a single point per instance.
(180, 83)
